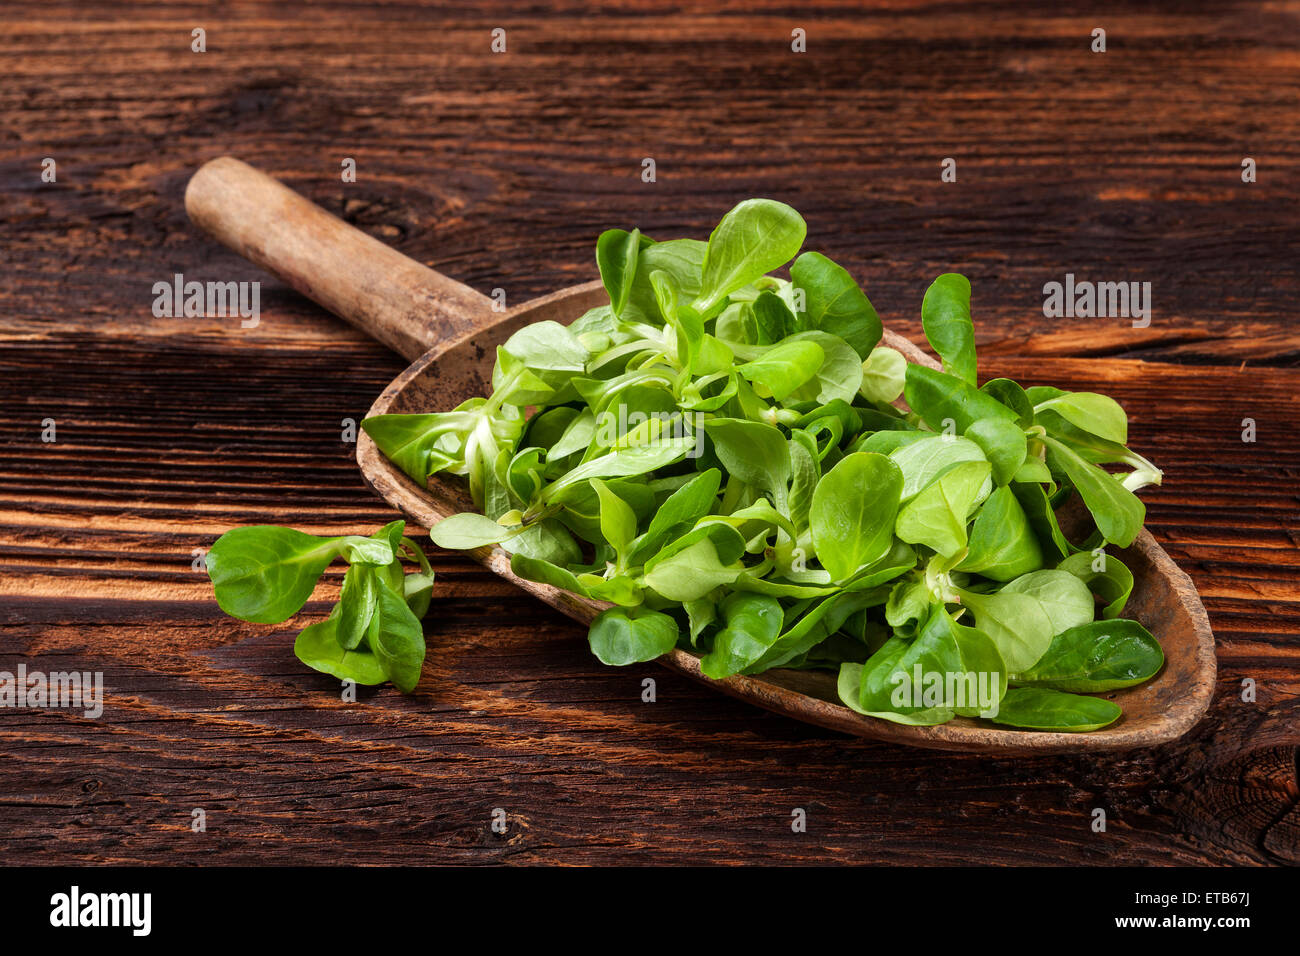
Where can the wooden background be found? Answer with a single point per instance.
(501, 170)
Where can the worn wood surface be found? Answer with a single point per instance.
(500, 170)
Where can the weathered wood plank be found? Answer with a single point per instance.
(500, 169)
(523, 693)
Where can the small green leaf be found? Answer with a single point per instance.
(784, 367)
(1011, 395)
(622, 462)
(818, 623)
(692, 572)
(617, 520)
(1018, 624)
(548, 347)
(357, 602)
(265, 573)
(1100, 656)
(397, 640)
(616, 255)
(1099, 414)
(417, 589)
(753, 623)
(754, 238)
(921, 462)
(701, 614)
(619, 589)
(940, 398)
(467, 530)
(853, 511)
(945, 317)
(755, 452)
(883, 375)
(1038, 509)
(805, 467)
(849, 686)
(1064, 597)
(543, 572)
(689, 503)
(422, 445)
(1105, 575)
(577, 437)
(1004, 445)
(836, 303)
(840, 374)
(1003, 546)
(773, 318)
(1036, 708)
(621, 635)
(937, 516)
(946, 667)
(317, 646)
(908, 605)
(1118, 512)
(682, 259)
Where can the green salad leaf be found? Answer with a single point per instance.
(266, 573)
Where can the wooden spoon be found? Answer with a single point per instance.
(450, 333)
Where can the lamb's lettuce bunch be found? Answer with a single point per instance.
(721, 454)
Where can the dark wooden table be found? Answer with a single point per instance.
(500, 169)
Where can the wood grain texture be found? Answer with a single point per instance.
(500, 170)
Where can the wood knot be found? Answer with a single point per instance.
(1249, 805)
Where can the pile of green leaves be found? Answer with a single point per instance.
(717, 453)
(265, 574)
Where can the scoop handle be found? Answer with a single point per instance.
(407, 306)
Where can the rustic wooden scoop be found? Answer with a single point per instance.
(450, 334)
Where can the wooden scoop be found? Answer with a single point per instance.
(450, 332)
